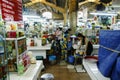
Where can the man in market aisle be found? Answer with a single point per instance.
(59, 37)
(58, 33)
(70, 49)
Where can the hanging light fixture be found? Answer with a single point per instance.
(103, 13)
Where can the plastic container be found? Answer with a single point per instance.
(52, 59)
(71, 59)
(39, 57)
(47, 76)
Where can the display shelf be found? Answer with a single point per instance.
(32, 73)
(15, 38)
(17, 52)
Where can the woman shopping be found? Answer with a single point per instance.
(85, 46)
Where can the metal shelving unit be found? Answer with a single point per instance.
(19, 51)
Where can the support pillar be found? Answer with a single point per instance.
(73, 21)
(65, 18)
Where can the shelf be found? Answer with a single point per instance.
(18, 48)
(32, 73)
(23, 53)
(15, 38)
(46, 47)
(11, 30)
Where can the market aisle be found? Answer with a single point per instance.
(61, 72)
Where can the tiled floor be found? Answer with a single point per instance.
(61, 72)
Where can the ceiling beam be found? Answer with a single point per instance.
(84, 2)
(94, 1)
(87, 1)
(62, 10)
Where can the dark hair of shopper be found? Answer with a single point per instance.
(83, 38)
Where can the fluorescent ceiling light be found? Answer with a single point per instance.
(106, 14)
(31, 16)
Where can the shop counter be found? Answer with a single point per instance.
(91, 68)
(32, 73)
(39, 50)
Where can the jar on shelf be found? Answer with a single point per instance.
(32, 43)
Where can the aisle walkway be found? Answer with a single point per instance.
(62, 72)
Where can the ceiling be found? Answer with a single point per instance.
(62, 6)
(55, 6)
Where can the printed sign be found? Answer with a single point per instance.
(11, 10)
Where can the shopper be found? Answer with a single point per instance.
(70, 49)
(67, 33)
(85, 45)
(58, 33)
(59, 37)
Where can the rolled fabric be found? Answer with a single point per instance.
(116, 71)
(109, 52)
(109, 38)
(107, 65)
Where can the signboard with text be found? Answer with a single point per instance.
(11, 10)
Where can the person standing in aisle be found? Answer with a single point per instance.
(85, 46)
(67, 33)
(59, 36)
(70, 50)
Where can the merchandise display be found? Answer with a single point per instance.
(16, 47)
(3, 60)
(32, 58)
(14, 29)
(59, 33)
(32, 73)
(17, 53)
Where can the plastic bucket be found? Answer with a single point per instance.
(52, 59)
(71, 59)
